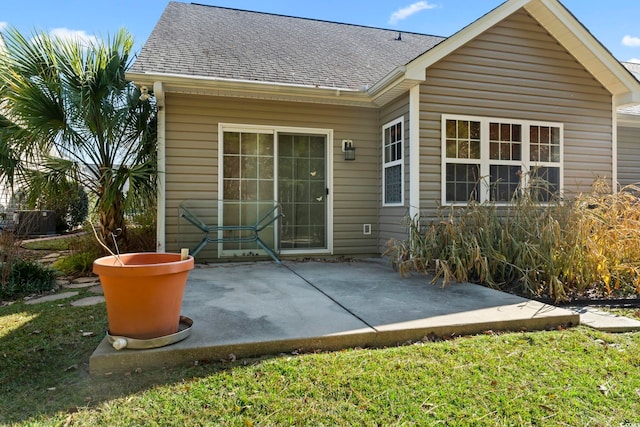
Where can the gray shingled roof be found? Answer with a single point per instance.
(208, 41)
(635, 70)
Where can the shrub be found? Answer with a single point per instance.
(84, 250)
(26, 278)
(76, 264)
(590, 245)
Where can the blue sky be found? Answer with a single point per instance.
(615, 22)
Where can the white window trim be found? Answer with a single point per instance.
(275, 130)
(400, 162)
(484, 161)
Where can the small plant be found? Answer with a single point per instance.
(84, 250)
(26, 278)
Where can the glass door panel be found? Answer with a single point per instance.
(248, 183)
(302, 190)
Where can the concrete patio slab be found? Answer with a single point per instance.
(604, 321)
(252, 309)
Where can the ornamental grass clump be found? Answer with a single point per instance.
(589, 246)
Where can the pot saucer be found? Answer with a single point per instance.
(184, 330)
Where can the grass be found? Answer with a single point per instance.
(565, 377)
(57, 244)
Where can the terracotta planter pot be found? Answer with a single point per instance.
(143, 297)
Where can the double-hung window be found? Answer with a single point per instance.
(393, 164)
(487, 159)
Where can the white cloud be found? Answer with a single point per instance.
(634, 60)
(67, 34)
(631, 41)
(406, 12)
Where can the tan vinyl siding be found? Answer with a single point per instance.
(192, 158)
(628, 155)
(517, 70)
(391, 217)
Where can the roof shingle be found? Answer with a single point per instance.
(208, 41)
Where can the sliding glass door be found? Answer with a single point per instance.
(263, 167)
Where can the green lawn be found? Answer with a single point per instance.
(565, 377)
(55, 244)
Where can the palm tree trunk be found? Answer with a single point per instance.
(112, 222)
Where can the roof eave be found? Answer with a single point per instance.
(628, 120)
(253, 89)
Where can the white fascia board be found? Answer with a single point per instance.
(627, 99)
(391, 78)
(178, 82)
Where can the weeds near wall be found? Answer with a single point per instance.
(589, 246)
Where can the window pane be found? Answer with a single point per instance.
(393, 184)
(516, 152)
(463, 129)
(451, 148)
(398, 151)
(555, 153)
(545, 183)
(451, 129)
(301, 146)
(494, 151)
(249, 167)
(474, 149)
(463, 149)
(463, 186)
(544, 152)
(505, 132)
(505, 152)
(231, 165)
(534, 134)
(317, 146)
(249, 143)
(265, 144)
(504, 182)
(516, 133)
(494, 131)
(285, 145)
(545, 135)
(475, 130)
(534, 156)
(231, 189)
(232, 143)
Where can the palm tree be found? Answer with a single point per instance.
(72, 115)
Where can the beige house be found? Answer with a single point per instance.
(261, 107)
(628, 138)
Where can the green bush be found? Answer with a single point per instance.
(84, 250)
(77, 263)
(26, 278)
(587, 246)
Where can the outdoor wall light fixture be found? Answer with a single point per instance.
(349, 149)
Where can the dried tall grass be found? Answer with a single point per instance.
(562, 249)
